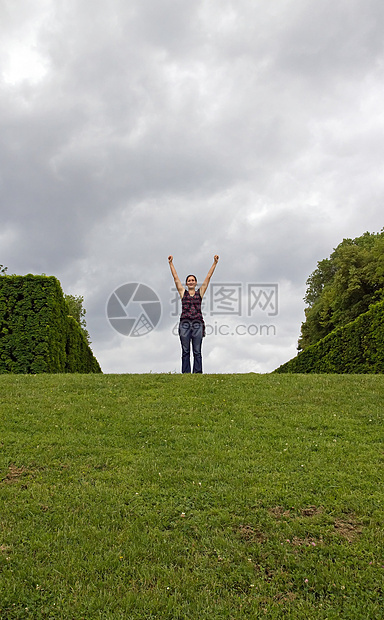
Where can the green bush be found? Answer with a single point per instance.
(356, 348)
(79, 357)
(36, 335)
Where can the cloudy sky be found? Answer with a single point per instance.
(135, 129)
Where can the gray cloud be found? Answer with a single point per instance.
(135, 130)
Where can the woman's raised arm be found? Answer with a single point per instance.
(204, 286)
(176, 278)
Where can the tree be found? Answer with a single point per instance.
(3, 270)
(343, 286)
(78, 312)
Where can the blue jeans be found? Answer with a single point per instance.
(191, 331)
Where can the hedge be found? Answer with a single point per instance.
(79, 357)
(36, 335)
(355, 348)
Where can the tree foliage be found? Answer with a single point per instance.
(343, 286)
(78, 312)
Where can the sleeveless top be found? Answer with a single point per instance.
(191, 308)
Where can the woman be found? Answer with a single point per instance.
(191, 326)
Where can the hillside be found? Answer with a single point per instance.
(185, 497)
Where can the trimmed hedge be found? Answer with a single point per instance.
(79, 356)
(355, 348)
(36, 335)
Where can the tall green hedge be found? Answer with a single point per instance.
(355, 348)
(36, 335)
(79, 357)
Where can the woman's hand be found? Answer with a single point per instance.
(170, 258)
(216, 259)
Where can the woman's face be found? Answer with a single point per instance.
(191, 282)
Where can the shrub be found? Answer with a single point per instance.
(356, 348)
(79, 357)
(35, 331)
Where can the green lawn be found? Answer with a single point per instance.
(191, 497)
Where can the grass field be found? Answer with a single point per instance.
(191, 497)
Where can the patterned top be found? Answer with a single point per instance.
(191, 307)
